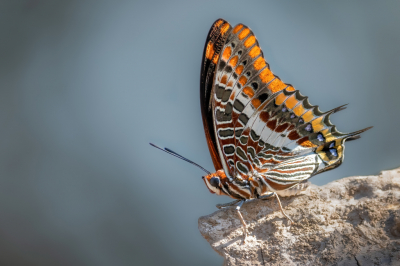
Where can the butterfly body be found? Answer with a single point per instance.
(263, 135)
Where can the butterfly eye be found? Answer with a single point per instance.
(333, 152)
(214, 181)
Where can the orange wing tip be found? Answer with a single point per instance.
(237, 28)
(244, 33)
(266, 75)
(224, 28)
(277, 85)
(259, 63)
(250, 41)
(255, 51)
(218, 22)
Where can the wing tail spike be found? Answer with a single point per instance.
(356, 134)
(340, 108)
(337, 109)
(334, 110)
(353, 138)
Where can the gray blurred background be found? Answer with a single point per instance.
(86, 85)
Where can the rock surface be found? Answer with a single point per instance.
(352, 221)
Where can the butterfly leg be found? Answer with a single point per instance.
(242, 220)
(224, 205)
(280, 206)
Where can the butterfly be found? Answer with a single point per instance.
(264, 136)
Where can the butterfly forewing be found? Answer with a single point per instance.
(215, 40)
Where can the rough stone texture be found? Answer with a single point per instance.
(353, 221)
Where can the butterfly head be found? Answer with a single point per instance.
(215, 181)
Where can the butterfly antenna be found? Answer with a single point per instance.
(171, 152)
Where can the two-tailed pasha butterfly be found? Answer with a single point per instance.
(264, 137)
